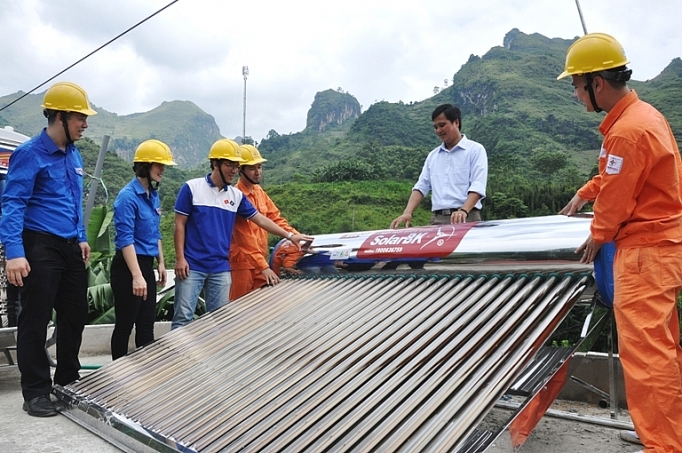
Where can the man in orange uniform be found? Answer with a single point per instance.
(248, 255)
(638, 204)
(285, 258)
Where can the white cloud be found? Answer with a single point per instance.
(376, 50)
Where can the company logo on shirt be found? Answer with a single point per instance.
(230, 202)
(613, 164)
(79, 170)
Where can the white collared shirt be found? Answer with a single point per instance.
(452, 174)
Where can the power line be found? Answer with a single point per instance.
(88, 55)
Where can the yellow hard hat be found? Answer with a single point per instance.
(251, 155)
(593, 52)
(67, 97)
(154, 151)
(226, 149)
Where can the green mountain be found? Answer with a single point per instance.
(529, 122)
(331, 108)
(665, 93)
(321, 142)
(510, 100)
(187, 129)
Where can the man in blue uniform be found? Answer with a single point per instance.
(47, 250)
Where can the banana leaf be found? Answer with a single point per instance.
(95, 256)
(100, 299)
(102, 278)
(164, 306)
(98, 230)
(98, 272)
(108, 317)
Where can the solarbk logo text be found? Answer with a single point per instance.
(412, 238)
(425, 242)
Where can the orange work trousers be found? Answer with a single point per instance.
(647, 283)
(244, 281)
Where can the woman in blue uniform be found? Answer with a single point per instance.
(137, 216)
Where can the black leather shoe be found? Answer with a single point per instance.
(40, 406)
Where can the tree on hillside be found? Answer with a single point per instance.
(549, 162)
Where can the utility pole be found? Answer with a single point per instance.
(95, 183)
(245, 73)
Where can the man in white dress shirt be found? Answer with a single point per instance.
(456, 172)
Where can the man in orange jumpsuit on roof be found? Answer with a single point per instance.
(248, 255)
(638, 204)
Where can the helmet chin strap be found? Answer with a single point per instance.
(222, 176)
(144, 171)
(153, 185)
(64, 119)
(249, 179)
(588, 87)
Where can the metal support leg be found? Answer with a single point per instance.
(592, 389)
(8, 354)
(612, 395)
(50, 342)
(613, 389)
(13, 306)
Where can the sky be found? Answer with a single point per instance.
(376, 50)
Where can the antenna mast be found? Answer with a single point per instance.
(580, 12)
(245, 73)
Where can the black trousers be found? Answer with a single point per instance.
(131, 309)
(59, 280)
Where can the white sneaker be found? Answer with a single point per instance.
(630, 436)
